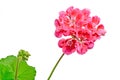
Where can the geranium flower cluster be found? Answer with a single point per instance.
(83, 30)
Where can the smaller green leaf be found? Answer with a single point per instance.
(7, 68)
(26, 72)
(6, 73)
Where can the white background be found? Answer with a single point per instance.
(29, 25)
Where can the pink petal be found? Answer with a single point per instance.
(69, 10)
(58, 33)
(90, 45)
(90, 26)
(61, 43)
(86, 13)
(101, 30)
(101, 26)
(96, 20)
(70, 46)
(57, 23)
(81, 49)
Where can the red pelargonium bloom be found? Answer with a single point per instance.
(83, 29)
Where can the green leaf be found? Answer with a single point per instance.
(26, 72)
(8, 69)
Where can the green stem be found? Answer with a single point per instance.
(55, 66)
(17, 65)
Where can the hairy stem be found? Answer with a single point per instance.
(55, 66)
(17, 66)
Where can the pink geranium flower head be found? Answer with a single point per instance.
(83, 29)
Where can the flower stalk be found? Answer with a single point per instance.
(17, 67)
(55, 66)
